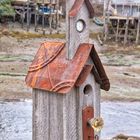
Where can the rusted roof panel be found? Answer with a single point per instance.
(51, 70)
(78, 4)
(105, 84)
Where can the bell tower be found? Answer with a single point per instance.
(78, 16)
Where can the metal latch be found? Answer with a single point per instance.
(96, 124)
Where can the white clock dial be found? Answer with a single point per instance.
(80, 25)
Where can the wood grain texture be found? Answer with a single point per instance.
(59, 117)
(40, 115)
(55, 116)
(69, 4)
(74, 38)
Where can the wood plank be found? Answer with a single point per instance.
(55, 116)
(40, 115)
(117, 32)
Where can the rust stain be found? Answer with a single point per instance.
(50, 70)
(78, 4)
(46, 53)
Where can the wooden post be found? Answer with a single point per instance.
(126, 30)
(106, 18)
(22, 16)
(117, 33)
(51, 17)
(36, 15)
(138, 31)
(28, 15)
(57, 16)
(43, 17)
(138, 28)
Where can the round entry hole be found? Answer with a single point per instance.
(87, 89)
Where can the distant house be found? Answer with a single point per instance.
(118, 1)
(124, 7)
(124, 18)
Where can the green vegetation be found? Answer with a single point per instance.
(5, 8)
(28, 35)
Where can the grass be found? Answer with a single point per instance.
(29, 35)
(95, 35)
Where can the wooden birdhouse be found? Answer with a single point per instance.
(66, 79)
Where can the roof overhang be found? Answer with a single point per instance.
(52, 71)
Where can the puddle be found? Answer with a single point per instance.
(16, 119)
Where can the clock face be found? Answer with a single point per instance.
(80, 25)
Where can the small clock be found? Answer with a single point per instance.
(80, 25)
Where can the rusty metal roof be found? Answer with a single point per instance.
(78, 4)
(51, 71)
(98, 71)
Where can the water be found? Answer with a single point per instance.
(121, 118)
(16, 119)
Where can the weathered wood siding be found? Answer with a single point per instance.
(54, 116)
(59, 117)
(74, 37)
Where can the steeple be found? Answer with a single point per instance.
(78, 17)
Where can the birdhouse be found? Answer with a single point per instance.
(66, 78)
